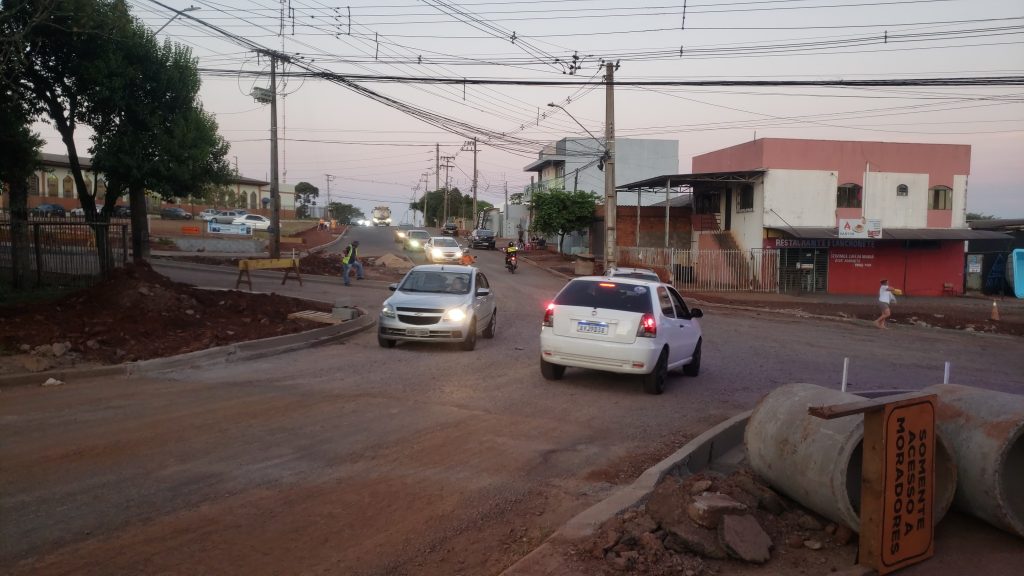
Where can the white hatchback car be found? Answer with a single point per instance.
(254, 221)
(622, 325)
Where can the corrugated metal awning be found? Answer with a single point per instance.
(809, 232)
(674, 180)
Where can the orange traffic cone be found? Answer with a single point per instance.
(995, 312)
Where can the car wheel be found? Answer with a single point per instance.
(385, 343)
(470, 342)
(551, 371)
(654, 383)
(492, 326)
(693, 368)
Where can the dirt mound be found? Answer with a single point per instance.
(137, 314)
(711, 523)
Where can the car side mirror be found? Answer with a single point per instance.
(393, 287)
(696, 313)
(483, 291)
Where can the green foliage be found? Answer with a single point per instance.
(460, 206)
(979, 216)
(305, 195)
(559, 212)
(516, 199)
(345, 213)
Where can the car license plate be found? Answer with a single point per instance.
(588, 327)
(417, 332)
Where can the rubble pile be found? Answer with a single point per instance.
(711, 523)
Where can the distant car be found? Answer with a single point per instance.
(227, 216)
(254, 221)
(122, 211)
(640, 273)
(48, 211)
(621, 325)
(175, 213)
(400, 235)
(439, 303)
(77, 212)
(208, 214)
(482, 238)
(415, 239)
(443, 249)
(450, 229)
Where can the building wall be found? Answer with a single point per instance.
(747, 227)
(917, 271)
(635, 159)
(652, 226)
(797, 198)
(881, 201)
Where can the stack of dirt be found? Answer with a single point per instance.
(710, 524)
(387, 267)
(137, 314)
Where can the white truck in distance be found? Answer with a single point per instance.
(382, 216)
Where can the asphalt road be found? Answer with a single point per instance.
(354, 459)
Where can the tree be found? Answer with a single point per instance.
(305, 195)
(979, 216)
(19, 159)
(559, 212)
(516, 199)
(345, 213)
(432, 205)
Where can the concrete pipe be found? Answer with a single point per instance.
(818, 462)
(985, 432)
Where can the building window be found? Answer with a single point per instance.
(252, 200)
(746, 199)
(902, 190)
(69, 187)
(51, 185)
(33, 186)
(940, 198)
(848, 196)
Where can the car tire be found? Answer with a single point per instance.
(551, 371)
(385, 343)
(693, 368)
(470, 342)
(492, 326)
(654, 383)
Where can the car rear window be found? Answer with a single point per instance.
(604, 294)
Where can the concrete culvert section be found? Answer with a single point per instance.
(985, 432)
(818, 462)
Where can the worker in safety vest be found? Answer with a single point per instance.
(351, 260)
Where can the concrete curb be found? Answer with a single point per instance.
(264, 274)
(229, 353)
(693, 457)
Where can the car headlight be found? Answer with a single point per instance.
(436, 253)
(455, 315)
(388, 311)
(401, 234)
(458, 253)
(414, 243)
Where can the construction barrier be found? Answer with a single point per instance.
(289, 265)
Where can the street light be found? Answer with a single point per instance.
(562, 108)
(176, 14)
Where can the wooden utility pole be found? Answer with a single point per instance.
(610, 247)
(475, 217)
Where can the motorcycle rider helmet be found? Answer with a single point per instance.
(511, 244)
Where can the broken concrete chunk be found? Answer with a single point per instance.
(812, 544)
(700, 487)
(707, 509)
(685, 537)
(37, 363)
(52, 382)
(744, 538)
(59, 349)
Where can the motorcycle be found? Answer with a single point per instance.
(512, 262)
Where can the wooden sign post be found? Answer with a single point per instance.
(898, 478)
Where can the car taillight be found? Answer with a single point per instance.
(549, 315)
(648, 327)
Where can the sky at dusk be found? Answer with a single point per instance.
(378, 154)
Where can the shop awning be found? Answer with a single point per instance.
(675, 180)
(899, 233)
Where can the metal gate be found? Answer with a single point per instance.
(754, 270)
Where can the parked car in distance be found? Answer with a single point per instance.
(254, 221)
(443, 249)
(121, 211)
(227, 216)
(482, 238)
(450, 229)
(77, 212)
(415, 239)
(208, 214)
(439, 303)
(641, 273)
(48, 211)
(621, 325)
(175, 213)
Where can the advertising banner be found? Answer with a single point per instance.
(237, 229)
(860, 228)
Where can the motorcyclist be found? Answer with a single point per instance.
(510, 250)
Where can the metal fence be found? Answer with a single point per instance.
(67, 253)
(709, 270)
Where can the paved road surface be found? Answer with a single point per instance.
(353, 459)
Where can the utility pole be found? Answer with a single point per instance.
(610, 247)
(437, 166)
(447, 166)
(504, 219)
(471, 147)
(275, 197)
(330, 178)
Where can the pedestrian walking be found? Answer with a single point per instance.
(886, 298)
(351, 260)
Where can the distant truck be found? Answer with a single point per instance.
(382, 216)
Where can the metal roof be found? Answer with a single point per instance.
(672, 180)
(810, 232)
(996, 223)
